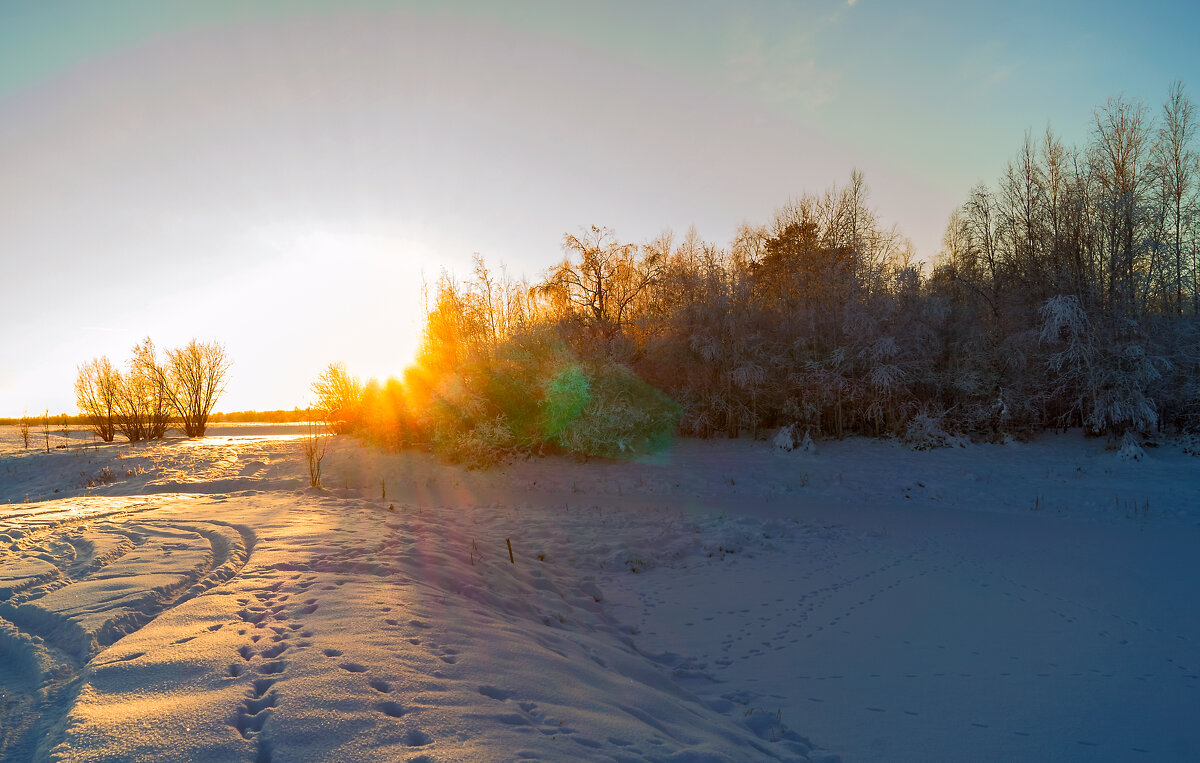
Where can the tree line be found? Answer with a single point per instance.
(1078, 273)
(1066, 295)
(149, 397)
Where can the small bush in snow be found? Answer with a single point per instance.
(806, 443)
(785, 438)
(1131, 449)
(926, 432)
(487, 443)
(314, 444)
(1190, 443)
(789, 438)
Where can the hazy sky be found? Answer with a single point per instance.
(280, 176)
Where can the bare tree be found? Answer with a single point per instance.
(1178, 163)
(97, 388)
(130, 409)
(314, 443)
(603, 285)
(46, 427)
(1120, 151)
(24, 428)
(193, 380)
(145, 405)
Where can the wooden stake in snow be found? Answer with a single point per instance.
(510, 555)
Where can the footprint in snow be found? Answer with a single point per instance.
(392, 709)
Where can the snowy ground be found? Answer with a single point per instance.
(725, 601)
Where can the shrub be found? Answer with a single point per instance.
(532, 395)
(314, 444)
(925, 431)
(623, 416)
(563, 399)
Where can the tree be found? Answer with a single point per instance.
(193, 380)
(143, 405)
(339, 398)
(97, 390)
(46, 427)
(602, 286)
(1178, 165)
(130, 408)
(24, 428)
(1119, 158)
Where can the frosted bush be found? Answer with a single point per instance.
(1131, 450)
(1101, 371)
(1126, 405)
(788, 438)
(785, 438)
(485, 443)
(925, 431)
(623, 416)
(1190, 444)
(1064, 319)
(806, 443)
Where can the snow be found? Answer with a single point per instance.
(725, 600)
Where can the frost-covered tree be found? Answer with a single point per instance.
(1102, 376)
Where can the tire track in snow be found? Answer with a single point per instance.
(75, 581)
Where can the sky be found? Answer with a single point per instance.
(283, 177)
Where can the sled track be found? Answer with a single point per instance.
(76, 578)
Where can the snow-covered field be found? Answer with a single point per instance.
(195, 600)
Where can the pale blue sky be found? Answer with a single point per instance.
(279, 175)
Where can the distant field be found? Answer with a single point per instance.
(78, 436)
(240, 417)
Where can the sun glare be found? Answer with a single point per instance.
(360, 291)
